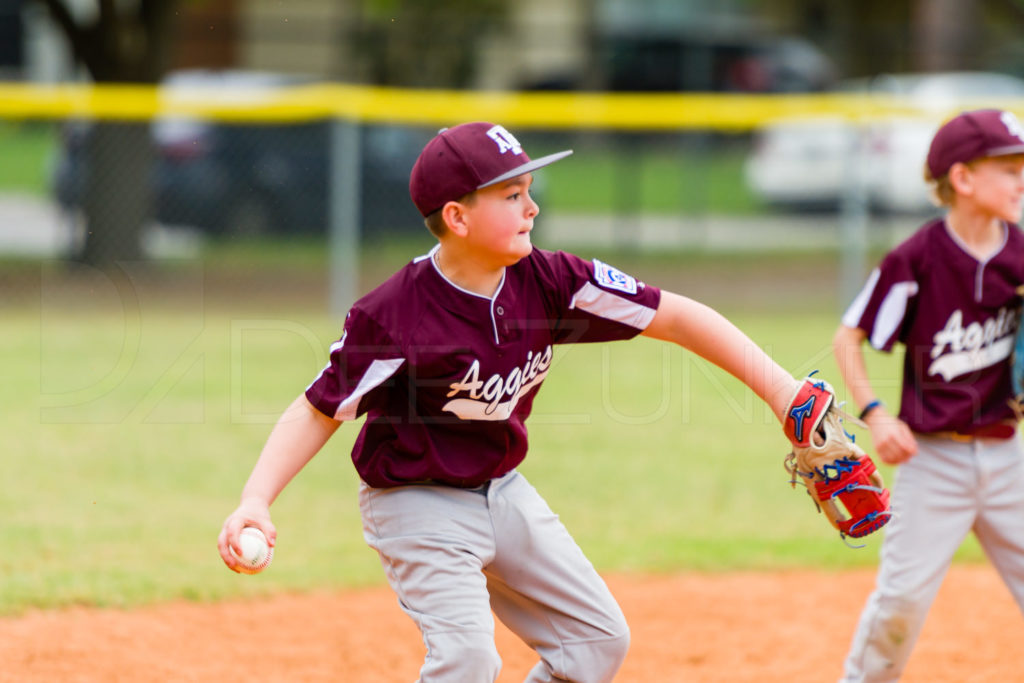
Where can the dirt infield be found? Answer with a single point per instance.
(788, 627)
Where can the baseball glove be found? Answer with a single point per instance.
(838, 474)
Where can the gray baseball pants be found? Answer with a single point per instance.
(947, 490)
(454, 555)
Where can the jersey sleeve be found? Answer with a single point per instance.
(598, 302)
(362, 365)
(882, 306)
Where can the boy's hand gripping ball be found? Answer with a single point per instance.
(256, 552)
(831, 466)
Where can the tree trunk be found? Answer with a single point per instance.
(119, 158)
(124, 42)
(945, 35)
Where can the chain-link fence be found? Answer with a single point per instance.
(698, 174)
(225, 180)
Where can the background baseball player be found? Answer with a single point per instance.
(949, 294)
(445, 359)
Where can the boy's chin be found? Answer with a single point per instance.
(522, 250)
(1013, 216)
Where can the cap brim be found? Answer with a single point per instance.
(531, 165)
(1005, 151)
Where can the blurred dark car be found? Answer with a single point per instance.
(715, 63)
(231, 179)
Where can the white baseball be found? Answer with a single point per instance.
(256, 552)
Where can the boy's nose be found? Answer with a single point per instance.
(532, 207)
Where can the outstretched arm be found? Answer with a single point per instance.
(892, 437)
(711, 336)
(299, 434)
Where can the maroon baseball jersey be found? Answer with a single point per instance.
(956, 316)
(447, 377)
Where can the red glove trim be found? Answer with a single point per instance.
(806, 410)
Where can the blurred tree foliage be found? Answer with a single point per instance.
(877, 36)
(414, 43)
(118, 41)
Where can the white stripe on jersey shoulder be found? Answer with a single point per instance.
(891, 312)
(375, 375)
(853, 314)
(605, 304)
(336, 346)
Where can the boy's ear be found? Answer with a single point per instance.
(454, 214)
(960, 177)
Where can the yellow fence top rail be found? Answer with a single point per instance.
(619, 111)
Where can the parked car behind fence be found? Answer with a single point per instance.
(230, 178)
(810, 162)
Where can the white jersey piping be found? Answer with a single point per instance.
(491, 299)
(979, 272)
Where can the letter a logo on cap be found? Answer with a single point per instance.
(506, 141)
(1012, 124)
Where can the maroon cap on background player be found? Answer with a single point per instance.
(974, 135)
(465, 158)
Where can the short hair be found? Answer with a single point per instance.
(435, 224)
(435, 220)
(940, 190)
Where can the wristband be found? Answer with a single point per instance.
(869, 407)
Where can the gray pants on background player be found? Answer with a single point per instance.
(454, 555)
(940, 495)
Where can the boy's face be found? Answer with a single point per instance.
(500, 220)
(999, 186)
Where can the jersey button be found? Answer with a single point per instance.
(499, 310)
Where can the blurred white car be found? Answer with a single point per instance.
(811, 162)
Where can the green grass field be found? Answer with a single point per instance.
(134, 408)
(662, 179)
(28, 153)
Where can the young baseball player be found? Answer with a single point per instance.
(444, 359)
(949, 295)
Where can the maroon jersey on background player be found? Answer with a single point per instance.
(949, 295)
(956, 316)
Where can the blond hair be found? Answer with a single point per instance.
(940, 190)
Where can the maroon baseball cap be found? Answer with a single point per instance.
(974, 135)
(465, 158)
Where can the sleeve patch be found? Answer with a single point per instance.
(613, 278)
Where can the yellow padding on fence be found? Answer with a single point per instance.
(619, 111)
